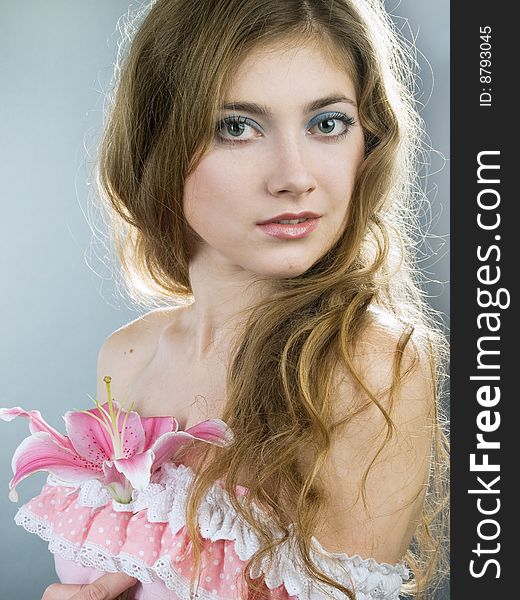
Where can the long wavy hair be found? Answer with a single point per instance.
(172, 74)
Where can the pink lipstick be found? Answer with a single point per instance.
(288, 226)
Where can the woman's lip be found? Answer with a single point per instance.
(288, 231)
(307, 214)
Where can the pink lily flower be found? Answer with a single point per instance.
(118, 447)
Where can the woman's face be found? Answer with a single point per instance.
(299, 156)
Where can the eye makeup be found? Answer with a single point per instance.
(240, 123)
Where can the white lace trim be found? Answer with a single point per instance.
(93, 555)
(165, 502)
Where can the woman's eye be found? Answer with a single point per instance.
(233, 128)
(334, 125)
(331, 126)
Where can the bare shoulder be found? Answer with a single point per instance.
(394, 392)
(127, 350)
(383, 336)
(386, 438)
(393, 361)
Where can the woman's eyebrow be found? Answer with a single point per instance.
(260, 109)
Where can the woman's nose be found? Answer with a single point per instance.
(291, 171)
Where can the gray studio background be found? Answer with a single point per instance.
(58, 300)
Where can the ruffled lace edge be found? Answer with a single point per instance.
(217, 519)
(95, 556)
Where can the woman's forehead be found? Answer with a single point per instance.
(301, 74)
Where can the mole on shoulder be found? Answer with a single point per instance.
(131, 350)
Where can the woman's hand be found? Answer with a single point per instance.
(107, 587)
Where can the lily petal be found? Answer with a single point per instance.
(88, 436)
(137, 468)
(36, 423)
(132, 436)
(214, 431)
(39, 452)
(154, 427)
(97, 442)
(117, 484)
(167, 446)
(111, 474)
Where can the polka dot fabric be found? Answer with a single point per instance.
(90, 533)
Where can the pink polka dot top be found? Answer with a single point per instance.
(90, 533)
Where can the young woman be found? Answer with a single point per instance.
(259, 163)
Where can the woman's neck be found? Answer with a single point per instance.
(224, 296)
